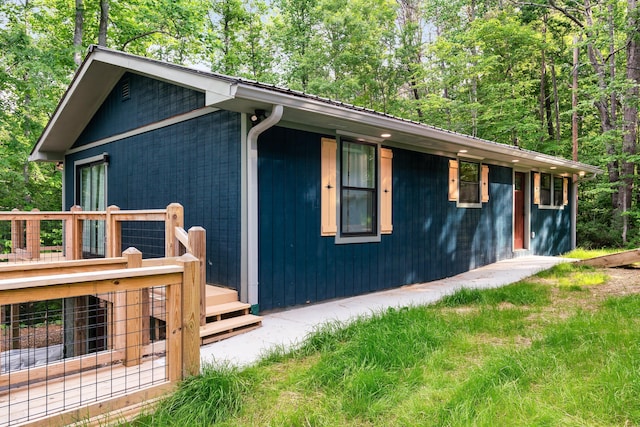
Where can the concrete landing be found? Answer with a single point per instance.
(290, 327)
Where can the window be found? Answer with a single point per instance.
(358, 189)
(91, 195)
(357, 192)
(545, 189)
(550, 191)
(557, 191)
(468, 183)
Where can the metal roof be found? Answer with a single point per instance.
(102, 68)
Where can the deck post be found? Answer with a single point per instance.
(17, 233)
(190, 315)
(73, 235)
(198, 243)
(133, 322)
(174, 218)
(1, 333)
(174, 332)
(120, 299)
(75, 308)
(33, 237)
(114, 233)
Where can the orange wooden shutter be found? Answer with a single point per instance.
(485, 183)
(453, 180)
(536, 188)
(565, 191)
(328, 188)
(386, 199)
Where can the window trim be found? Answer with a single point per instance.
(454, 182)
(87, 162)
(538, 189)
(340, 237)
(477, 204)
(78, 166)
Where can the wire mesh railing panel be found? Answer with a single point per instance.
(61, 354)
(31, 240)
(146, 236)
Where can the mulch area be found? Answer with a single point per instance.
(35, 337)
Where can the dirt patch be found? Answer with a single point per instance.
(621, 282)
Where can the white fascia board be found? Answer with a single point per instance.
(45, 156)
(216, 90)
(311, 105)
(35, 152)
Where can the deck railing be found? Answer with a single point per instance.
(59, 390)
(77, 234)
(34, 237)
(111, 323)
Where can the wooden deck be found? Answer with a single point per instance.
(59, 394)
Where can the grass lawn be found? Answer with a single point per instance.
(560, 348)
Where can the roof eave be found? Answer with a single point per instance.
(421, 131)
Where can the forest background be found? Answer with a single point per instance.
(496, 69)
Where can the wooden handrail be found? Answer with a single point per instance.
(183, 238)
(132, 215)
(95, 282)
(60, 267)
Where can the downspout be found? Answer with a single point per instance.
(252, 203)
(574, 211)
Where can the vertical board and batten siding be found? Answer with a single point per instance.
(552, 228)
(431, 237)
(149, 101)
(195, 163)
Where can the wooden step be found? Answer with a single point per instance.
(236, 307)
(217, 295)
(221, 329)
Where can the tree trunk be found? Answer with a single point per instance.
(77, 32)
(630, 113)
(545, 101)
(556, 101)
(104, 22)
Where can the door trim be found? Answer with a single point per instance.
(527, 209)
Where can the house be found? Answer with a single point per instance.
(304, 199)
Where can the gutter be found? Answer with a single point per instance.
(252, 204)
(371, 118)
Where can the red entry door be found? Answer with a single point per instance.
(518, 211)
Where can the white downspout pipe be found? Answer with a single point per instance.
(252, 200)
(574, 212)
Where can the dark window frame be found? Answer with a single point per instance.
(371, 191)
(551, 191)
(464, 194)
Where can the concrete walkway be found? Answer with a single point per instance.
(290, 327)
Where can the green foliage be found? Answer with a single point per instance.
(487, 69)
(519, 294)
(479, 362)
(202, 400)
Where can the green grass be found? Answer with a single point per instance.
(538, 352)
(581, 253)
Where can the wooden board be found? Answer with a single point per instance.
(619, 259)
(76, 391)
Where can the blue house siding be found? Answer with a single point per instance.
(150, 101)
(552, 228)
(195, 163)
(431, 238)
